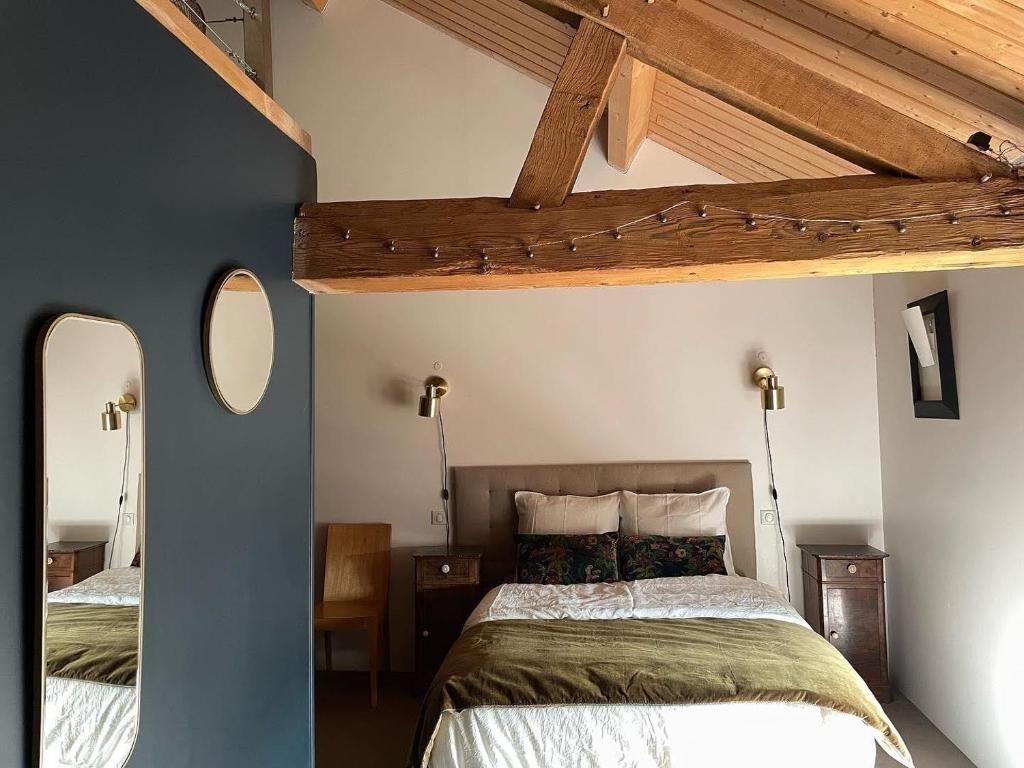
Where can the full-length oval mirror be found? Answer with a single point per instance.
(93, 555)
(239, 341)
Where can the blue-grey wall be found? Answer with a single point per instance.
(131, 176)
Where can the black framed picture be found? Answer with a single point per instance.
(934, 386)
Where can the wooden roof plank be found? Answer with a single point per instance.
(931, 33)
(750, 133)
(926, 90)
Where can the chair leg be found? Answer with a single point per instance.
(328, 660)
(373, 638)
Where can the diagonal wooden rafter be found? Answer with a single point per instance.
(779, 91)
(629, 111)
(571, 114)
(685, 248)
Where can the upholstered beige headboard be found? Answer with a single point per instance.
(485, 516)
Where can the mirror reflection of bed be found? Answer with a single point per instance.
(93, 520)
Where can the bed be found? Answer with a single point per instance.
(689, 670)
(90, 713)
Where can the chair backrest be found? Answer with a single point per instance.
(357, 565)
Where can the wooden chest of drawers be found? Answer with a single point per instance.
(69, 562)
(844, 601)
(447, 590)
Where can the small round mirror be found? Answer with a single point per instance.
(239, 341)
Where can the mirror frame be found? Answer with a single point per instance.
(211, 305)
(39, 699)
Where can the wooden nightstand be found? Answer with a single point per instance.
(447, 590)
(844, 601)
(69, 562)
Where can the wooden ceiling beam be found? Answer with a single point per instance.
(685, 248)
(573, 109)
(629, 111)
(798, 100)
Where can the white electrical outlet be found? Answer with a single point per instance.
(437, 517)
(768, 517)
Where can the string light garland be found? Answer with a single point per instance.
(900, 222)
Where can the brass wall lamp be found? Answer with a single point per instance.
(434, 389)
(773, 398)
(773, 395)
(110, 418)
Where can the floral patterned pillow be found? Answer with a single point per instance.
(561, 559)
(649, 557)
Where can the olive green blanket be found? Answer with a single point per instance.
(99, 643)
(645, 662)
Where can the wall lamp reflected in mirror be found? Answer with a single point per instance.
(434, 389)
(110, 418)
(922, 334)
(773, 395)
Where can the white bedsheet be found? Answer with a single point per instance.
(736, 735)
(87, 724)
(689, 597)
(114, 586)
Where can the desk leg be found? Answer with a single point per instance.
(373, 633)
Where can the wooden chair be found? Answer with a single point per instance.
(357, 569)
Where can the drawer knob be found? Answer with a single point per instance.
(834, 635)
(852, 568)
(49, 561)
(425, 633)
(445, 568)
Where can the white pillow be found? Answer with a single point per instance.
(569, 515)
(678, 514)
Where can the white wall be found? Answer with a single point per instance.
(87, 364)
(604, 374)
(954, 522)
(399, 110)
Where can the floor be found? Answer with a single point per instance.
(348, 732)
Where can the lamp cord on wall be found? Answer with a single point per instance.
(124, 485)
(775, 498)
(444, 478)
